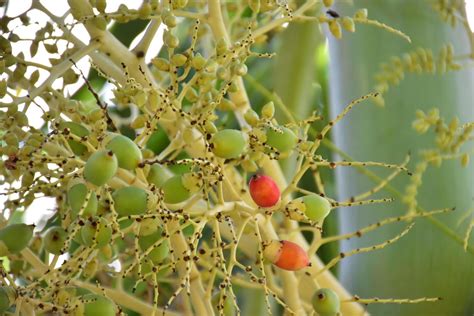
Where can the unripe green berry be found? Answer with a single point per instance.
(198, 62)
(14, 238)
(76, 197)
(282, 141)
(170, 20)
(54, 239)
(148, 226)
(127, 152)
(313, 206)
(326, 302)
(179, 60)
(100, 167)
(158, 254)
(175, 191)
(98, 305)
(158, 175)
(161, 63)
(158, 141)
(98, 229)
(130, 201)
(7, 297)
(228, 143)
(78, 130)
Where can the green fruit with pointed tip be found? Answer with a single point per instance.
(315, 207)
(54, 239)
(127, 152)
(100, 167)
(14, 238)
(78, 130)
(76, 197)
(158, 254)
(98, 228)
(326, 302)
(175, 191)
(98, 305)
(7, 297)
(283, 142)
(130, 201)
(228, 143)
(158, 175)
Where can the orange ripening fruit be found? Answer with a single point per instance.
(286, 255)
(264, 191)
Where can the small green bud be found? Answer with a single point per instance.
(170, 20)
(361, 14)
(348, 24)
(198, 62)
(335, 28)
(221, 46)
(170, 40)
(179, 60)
(268, 110)
(240, 69)
(161, 63)
(251, 117)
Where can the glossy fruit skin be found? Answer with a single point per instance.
(326, 302)
(283, 142)
(89, 231)
(317, 207)
(228, 143)
(130, 201)
(14, 238)
(175, 191)
(264, 191)
(158, 175)
(76, 196)
(286, 255)
(127, 152)
(159, 253)
(54, 239)
(98, 306)
(78, 130)
(7, 297)
(100, 167)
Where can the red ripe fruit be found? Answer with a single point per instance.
(286, 255)
(264, 191)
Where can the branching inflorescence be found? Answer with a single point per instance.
(163, 193)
